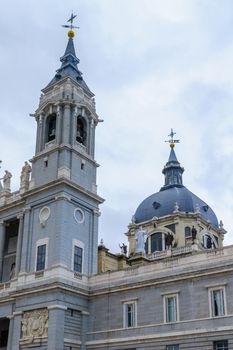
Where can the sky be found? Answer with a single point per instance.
(153, 65)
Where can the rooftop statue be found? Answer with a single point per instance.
(140, 238)
(7, 181)
(25, 176)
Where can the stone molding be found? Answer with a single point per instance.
(159, 336)
(62, 196)
(57, 307)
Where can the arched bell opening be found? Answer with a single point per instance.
(51, 127)
(81, 130)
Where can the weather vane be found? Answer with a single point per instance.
(70, 26)
(172, 141)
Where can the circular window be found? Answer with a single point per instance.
(79, 215)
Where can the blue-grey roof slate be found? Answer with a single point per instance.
(165, 201)
(69, 68)
(172, 157)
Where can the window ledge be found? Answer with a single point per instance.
(39, 274)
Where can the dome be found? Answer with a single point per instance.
(162, 203)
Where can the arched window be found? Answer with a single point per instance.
(187, 231)
(210, 242)
(51, 127)
(81, 133)
(156, 242)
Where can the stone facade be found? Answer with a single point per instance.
(177, 296)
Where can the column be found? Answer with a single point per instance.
(66, 125)
(16, 330)
(58, 125)
(10, 333)
(25, 239)
(92, 138)
(56, 327)
(19, 244)
(2, 243)
(84, 329)
(74, 125)
(93, 243)
(38, 133)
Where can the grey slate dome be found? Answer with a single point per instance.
(163, 202)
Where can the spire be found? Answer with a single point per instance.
(172, 170)
(172, 157)
(69, 66)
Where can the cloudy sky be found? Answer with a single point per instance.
(153, 65)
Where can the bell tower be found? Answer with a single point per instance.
(66, 122)
(64, 169)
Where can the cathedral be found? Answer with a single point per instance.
(170, 288)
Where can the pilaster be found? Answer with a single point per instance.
(56, 327)
(19, 243)
(25, 240)
(39, 133)
(84, 331)
(10, 333)
(74, 125)
(66, 124)
(59, 124)
(16, 330)
(2, 243)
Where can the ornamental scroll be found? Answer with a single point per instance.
(35, 324)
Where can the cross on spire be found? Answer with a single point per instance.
(71, 20)
(172, 141)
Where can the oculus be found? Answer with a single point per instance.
(44, 215)
(79, 215)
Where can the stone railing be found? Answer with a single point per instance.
(8, 197)
(182, 250)
(170, 252)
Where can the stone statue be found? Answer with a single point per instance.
(24, 327)
(176, 207)
(168, 240)
(140, 238)
(12, 273)
(197, 209)
(25, 176)
(221, 225)
(123, 248)
(194, 233)
(7, 181)
(133, 220)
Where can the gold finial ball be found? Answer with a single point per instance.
(70, 34)
(172, 145)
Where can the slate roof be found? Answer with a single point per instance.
(69, 67)
(163, 202)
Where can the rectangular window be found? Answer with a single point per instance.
(171, 308)
(173, 347)
(130, 317)
(78, 259)
(217, 302)
(220, 345)
(41, 254)
(157, 242)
